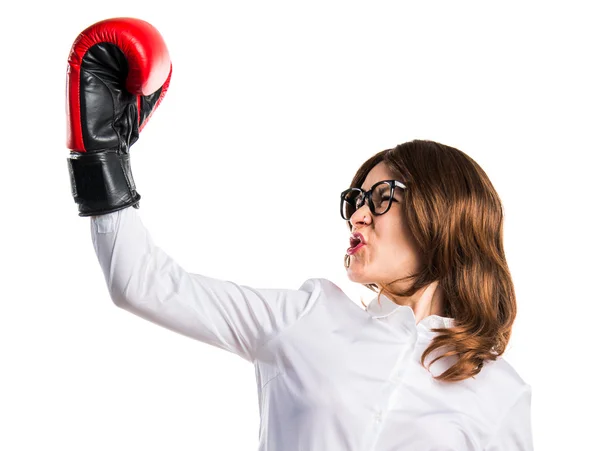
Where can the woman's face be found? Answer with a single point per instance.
(390, 251)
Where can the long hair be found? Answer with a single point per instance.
(456, 217)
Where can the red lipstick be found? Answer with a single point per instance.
(356, 242)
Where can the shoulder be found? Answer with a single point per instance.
(500, 386)
(331, 296)
(321, 286)
(501, 375)
(491, 393)
(510, 407)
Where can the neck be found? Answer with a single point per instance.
(425, 302)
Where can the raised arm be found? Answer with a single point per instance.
(144, 280)
(118, 73)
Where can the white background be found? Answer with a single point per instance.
(278, 101)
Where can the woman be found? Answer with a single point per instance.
(426, 236)
(426, 228)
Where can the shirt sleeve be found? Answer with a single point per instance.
(514, 431)
(142, 279)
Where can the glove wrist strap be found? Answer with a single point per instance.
(101, 182)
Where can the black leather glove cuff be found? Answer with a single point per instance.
(101, 182)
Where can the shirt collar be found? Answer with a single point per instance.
(386, 308)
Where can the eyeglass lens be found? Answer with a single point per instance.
(353, 200)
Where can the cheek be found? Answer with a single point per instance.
(401, 245)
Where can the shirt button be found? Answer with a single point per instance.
(378, 417)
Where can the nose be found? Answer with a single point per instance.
(361, 217)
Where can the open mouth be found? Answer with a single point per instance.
(356, 242)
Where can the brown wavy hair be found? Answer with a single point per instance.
(456, 217)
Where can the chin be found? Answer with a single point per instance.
(358, 278)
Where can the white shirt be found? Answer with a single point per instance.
(330, 375)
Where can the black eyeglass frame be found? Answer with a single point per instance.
(367, 196)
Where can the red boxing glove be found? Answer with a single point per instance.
(118, 73)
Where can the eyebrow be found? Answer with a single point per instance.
(382, 186)
(367, 189)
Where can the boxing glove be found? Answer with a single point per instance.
(117, 74)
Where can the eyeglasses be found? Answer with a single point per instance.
(379, 198)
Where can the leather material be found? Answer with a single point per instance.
(118, 73)
(101, 182)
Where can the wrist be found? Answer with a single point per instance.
(102, 182)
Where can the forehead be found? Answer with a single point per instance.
(378, 173)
